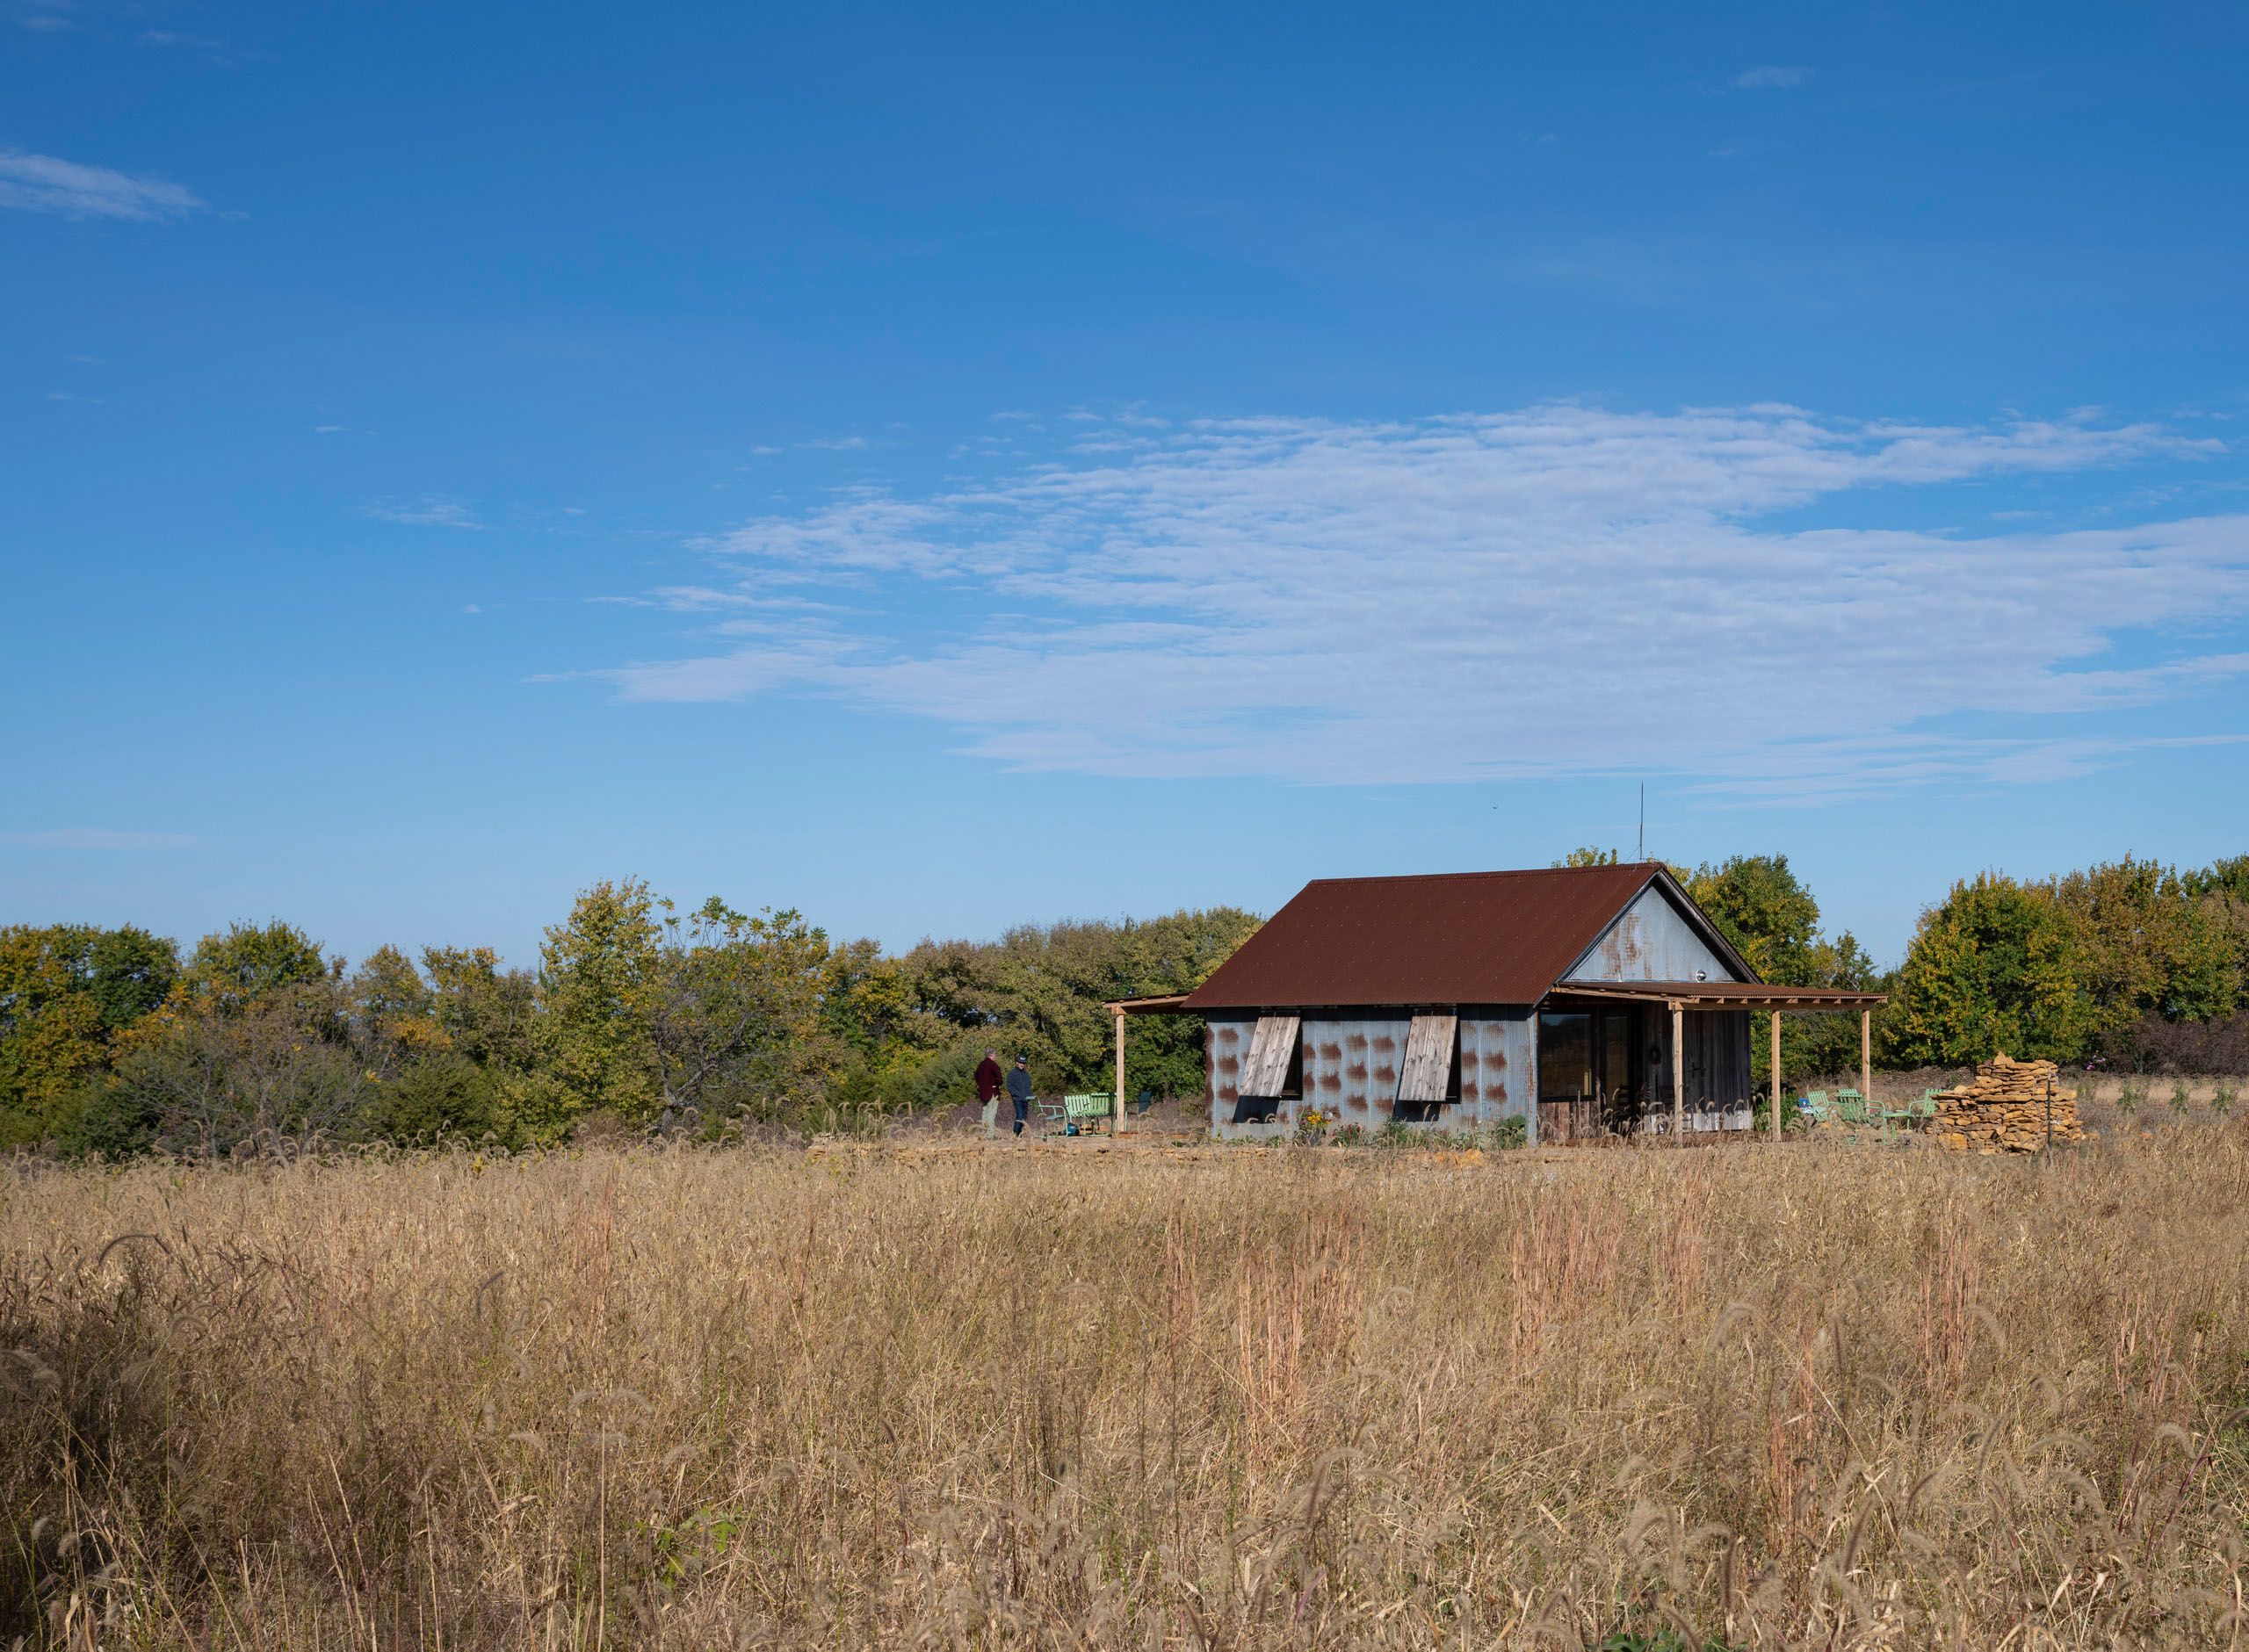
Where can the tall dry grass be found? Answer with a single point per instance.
(1812, 1396)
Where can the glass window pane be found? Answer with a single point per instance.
(1564, 1057)
(1617, 1053)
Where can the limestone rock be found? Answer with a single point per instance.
(2009, 1106)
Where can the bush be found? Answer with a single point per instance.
(114, 1120)
(440, 1098)
(1761, 1116)
(2151, 1045)
(1514, 1131)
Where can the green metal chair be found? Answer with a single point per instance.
(1912, 1112)
(1850, 1106)
(1816, 1107)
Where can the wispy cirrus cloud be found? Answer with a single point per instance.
(43, 184)
(1769, 77)
(430, 513)
(1557, 590)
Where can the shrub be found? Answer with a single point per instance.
(2152, 1044)
(439, 1098)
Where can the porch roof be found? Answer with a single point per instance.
(1802, 1001)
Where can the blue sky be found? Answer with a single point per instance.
(938, 471)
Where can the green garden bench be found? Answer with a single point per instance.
(1083, 1110)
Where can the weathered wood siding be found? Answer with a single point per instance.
(1650, 941)
(1719, 1093)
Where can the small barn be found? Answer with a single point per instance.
(1587, 1001)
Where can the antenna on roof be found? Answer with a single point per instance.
(1644, 820)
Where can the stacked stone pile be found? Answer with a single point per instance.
(2005, 1109)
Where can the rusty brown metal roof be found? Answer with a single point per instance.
(1454, 938)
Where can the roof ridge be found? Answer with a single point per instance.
(1507, 871)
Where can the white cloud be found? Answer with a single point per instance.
(41, 184)
(430, 512)
(95, 838)
(1768, 75)
(1557, 590)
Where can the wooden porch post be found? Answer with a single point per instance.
(1678, 1074)
(1776, 1075)
(1117, 1125)
(1866, 1054)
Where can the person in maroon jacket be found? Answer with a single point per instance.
(989, 1082)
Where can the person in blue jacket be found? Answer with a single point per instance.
(1019, 1090)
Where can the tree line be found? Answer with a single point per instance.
(118, 1042)
(710, 1020)
(2130, 965)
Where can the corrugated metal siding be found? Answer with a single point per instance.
(1225, 1046)
(1350, 1067)
(1650, 942)
(1499, 1066)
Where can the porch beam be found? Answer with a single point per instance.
(1866, 1054)
(1677, 1073)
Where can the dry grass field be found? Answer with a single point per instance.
(1832, 1396)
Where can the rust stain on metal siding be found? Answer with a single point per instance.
(1228, 1044)
(1651, 941)
(1323, 1063)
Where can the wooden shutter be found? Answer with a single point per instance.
(1267, 1070)
(1428, 1058)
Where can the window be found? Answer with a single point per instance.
(1565, 1058)
(1590, 1074)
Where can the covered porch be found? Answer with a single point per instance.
(1160, 1004)
(1628, 1057)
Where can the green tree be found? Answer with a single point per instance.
(1997, 966)
(131, 973)
(734, 1020)
(234, 970)
(2222, 890)
(393, 1012)
(485, 1013)
(67, 992)
(1039, 991)
(2147, 945)
(1588, 856)
(1770, 916)
(598, 981)
(1765, 910)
